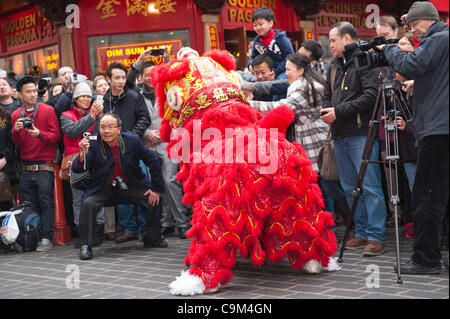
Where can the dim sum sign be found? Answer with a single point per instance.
(127, 54)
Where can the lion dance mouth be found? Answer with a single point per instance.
(236, 207)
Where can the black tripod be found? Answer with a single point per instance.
(389, 95)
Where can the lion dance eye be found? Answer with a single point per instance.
(174, 98)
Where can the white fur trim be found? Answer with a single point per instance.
(333, 264)
(314, 267)
(187, 285)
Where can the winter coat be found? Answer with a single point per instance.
(131, 108)
(428, 66)
(131, 152)
(73, 125)
(353, 97)
(278, 50)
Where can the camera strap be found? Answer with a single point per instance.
(36, 106)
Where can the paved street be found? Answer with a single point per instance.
(129, 271)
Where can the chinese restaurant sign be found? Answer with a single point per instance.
(112, 8)
(335, 12)
(26, 29)
(127, 54)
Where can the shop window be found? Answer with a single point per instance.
(126, 48)
(40, 62)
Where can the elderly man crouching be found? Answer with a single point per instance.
(123, 181)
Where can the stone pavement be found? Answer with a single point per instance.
(129, 271)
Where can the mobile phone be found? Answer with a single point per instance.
(157, 52)
(99, 98)
(3, 74)
(322, 112)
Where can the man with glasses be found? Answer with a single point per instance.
(123, 181)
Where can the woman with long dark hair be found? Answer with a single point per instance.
(8, 162)
(304, 97)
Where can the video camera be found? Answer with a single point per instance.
(77, 78)
(363, 59)
(43, 83)
(89, 136)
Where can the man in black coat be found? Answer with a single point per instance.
(125, 102)
(428, 66)
(120, 154)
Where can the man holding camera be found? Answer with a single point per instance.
(428, 66)
(349, 100)
(122, 182)
(36, 133)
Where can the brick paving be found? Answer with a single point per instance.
(129, 271)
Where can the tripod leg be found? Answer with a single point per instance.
(371, 135)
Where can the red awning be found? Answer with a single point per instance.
(441, 5)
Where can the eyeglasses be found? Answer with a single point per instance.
(110, 128)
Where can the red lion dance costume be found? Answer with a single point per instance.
(236, 205)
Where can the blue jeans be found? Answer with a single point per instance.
(125, 214)
(37, 188)
(410, 170)
(370, 212)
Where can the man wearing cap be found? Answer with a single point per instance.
(428, 66)
(37, 143)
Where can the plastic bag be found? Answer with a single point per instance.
(9, 230)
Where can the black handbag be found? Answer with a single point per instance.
(6, 192)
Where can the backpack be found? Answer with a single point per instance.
(29, 223)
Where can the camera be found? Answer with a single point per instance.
(43, 83)
(2, 155)
(118, 184)
(89, 136)
(157, 52)
(77, 78)
(369, 60)
(27, 122)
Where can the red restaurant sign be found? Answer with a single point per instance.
(127, 54)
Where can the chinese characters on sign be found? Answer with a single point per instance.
(213, 36)
(107, 8)
(144, 7)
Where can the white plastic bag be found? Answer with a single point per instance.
(9, 230)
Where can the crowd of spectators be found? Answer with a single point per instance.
(337, 99)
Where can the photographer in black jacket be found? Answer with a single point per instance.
(125, 102)
(428, 66)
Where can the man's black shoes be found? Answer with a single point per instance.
(413, 268)
(167, 230)
(182, 232)
(85, 252)
(151, 243)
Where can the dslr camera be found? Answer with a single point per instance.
(27, 122)
(118, 184)
(363, 59)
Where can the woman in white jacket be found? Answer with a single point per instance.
(304, 97)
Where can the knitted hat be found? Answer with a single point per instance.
(81, 89)
(422, 10)
(314, 47)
